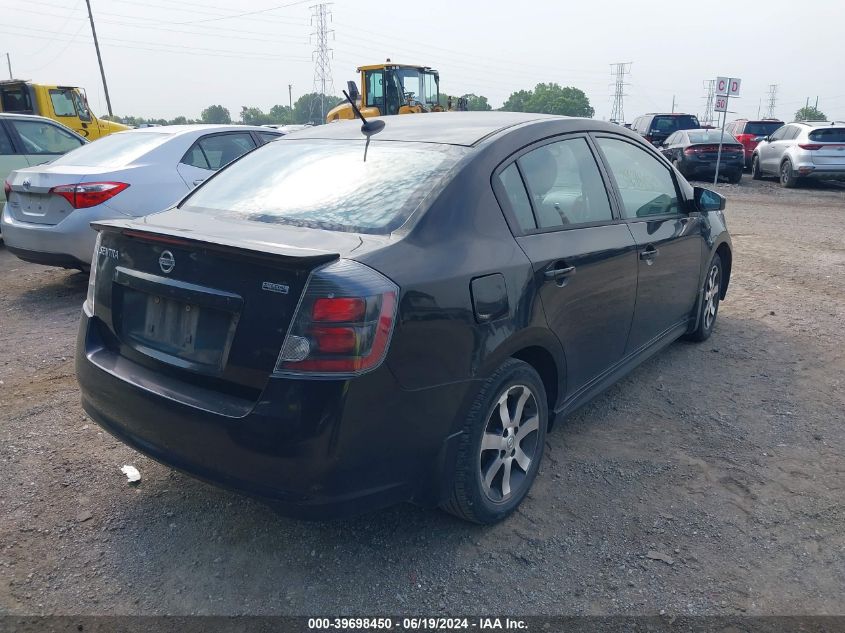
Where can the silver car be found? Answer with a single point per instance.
(806, 149)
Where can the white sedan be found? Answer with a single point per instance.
(128, 174)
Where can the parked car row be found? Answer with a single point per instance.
(50, 207)
(769, 147)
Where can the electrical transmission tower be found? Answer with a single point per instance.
(773, 96)
(710, 87)
(323, 82)
(617, 113)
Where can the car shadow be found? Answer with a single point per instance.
(194, 548)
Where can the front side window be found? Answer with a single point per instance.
(62, 103)
(39, 137)
(81, 106)
(565, 184)
(327, 184)
(645, 184)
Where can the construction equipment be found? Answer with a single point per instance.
(394, 89)
(66, 104)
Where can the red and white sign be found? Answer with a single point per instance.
(727, 86)
(721, 104)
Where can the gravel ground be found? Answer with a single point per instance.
(707, 482)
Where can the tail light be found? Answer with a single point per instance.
(7, 189)
(343, 324)
(810, 146)
(89, 194)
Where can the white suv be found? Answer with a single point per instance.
(806, 149)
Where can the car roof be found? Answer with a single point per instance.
(817, 123)
(194, 127)
(667, 114)
(450, 128)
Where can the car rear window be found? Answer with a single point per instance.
(761, 128)
(709, 136)
(327, 184)
(669, 124)
(828, 135)
(114, 150)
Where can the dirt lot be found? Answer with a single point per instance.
(710, 481)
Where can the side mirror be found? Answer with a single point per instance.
(758, 139)
(352, 88)
(708, 200)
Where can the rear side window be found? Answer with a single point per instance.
(221, 149)
(39, 137)
(5, 143)
(518, 197)
(114, 150)
(792, 132)
(62, 103)
(828, 135)
(328, 184)
(565, 184)
(645, 184)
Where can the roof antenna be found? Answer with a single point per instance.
(369, 127)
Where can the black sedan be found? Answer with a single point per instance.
(341, 324)
(694, 153)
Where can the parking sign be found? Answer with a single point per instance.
(727, 86)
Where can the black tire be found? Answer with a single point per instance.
(735, 178)
(756, 172)
(709, 310)
(788, 179)
(471, 499)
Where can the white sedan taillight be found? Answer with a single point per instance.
(343, 324)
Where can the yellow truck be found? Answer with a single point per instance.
(65, 104)
(393, 89)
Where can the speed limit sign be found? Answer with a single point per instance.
(721, 104)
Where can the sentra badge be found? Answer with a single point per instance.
(269, 286)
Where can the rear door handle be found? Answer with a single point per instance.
(649, 253)
(554, 273)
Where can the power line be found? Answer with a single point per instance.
(773, 95)
(710, 87)
(322, 56)
(617, 112)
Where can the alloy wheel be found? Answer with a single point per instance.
(510, 443)
(711, 297)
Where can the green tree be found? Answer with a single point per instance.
(810, 113)
(477, 102)
(281, 114)
(551, 98)
(178, 120)
(307, 108)
(216, 114)
(254, 116)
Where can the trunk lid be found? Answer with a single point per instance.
(832, 142)
(209, 307)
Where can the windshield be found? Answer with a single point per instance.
(327, 184)
(709, 136)
(422, 84)
(761, 128)
(114, 150)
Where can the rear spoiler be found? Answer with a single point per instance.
(253, 248)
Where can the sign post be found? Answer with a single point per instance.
(726, 87)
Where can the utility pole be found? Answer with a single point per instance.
(710, 86)
(773, 95)
(322, 55)
(9, 64)
(99, 57)
(617, 112)
(673, 104)
(290, 101)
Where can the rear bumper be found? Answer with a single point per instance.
(709, 167)
(821, 172)
(319, 448)
(70, 242)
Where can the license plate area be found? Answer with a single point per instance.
(176, 323)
